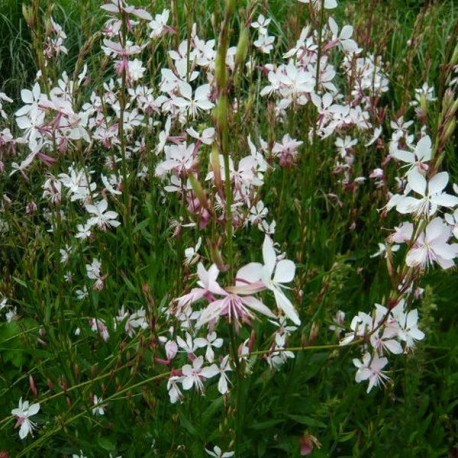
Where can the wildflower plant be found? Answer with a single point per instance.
(185, 218)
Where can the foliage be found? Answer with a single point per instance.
(111, 235)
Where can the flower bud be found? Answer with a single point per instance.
(217, 257)
(242, 47)
(216, 166)
(222, 112)
(27, 12)
(448, 132)
(198, 190)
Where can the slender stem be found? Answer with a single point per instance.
(64, 423)
(221, 114)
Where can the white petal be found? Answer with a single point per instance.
(286, 306)
(269, 255)
(438, 183)
(417, 181)
(284, 272)
(250, 273)
(33, 409)
(346, 33)
(423, 149)
(445, 200)
(416, 257)
(435, 229)
(25, 429)
(408, 205)
(404, 156)
(26, 96)
(187, 383)
(258, 306)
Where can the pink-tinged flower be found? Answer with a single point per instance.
(121, 7)
(402, 233)
(431, 246)
(370, 368)
(208, 286)
(195, 374)
(236, 307)
(384, 339)
(98, 325)
(112, 48)
(23, 412)
(273, 274)
(287, 150)
(343, 39)
(308, 443)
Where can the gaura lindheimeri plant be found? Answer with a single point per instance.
(167, 202)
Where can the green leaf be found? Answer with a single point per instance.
(106, 444)
(265, 424)
(308, 421)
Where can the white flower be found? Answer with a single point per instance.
(224, 381)
(11, 315)
(431, 192)
(273, 274)
(84, 231)
(408, 330)
(103, 219)
(4, 303)
(218, 453)
(99, 408)
(191, 254)
(421, 154)
(210, 341)
(195, 374)
(328, 4)
(371, 369)
(23, 412)
(159, 24)
(81, 455)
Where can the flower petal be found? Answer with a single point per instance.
(269, 255)
(417, 182)
(286, 306)
(284, 272)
